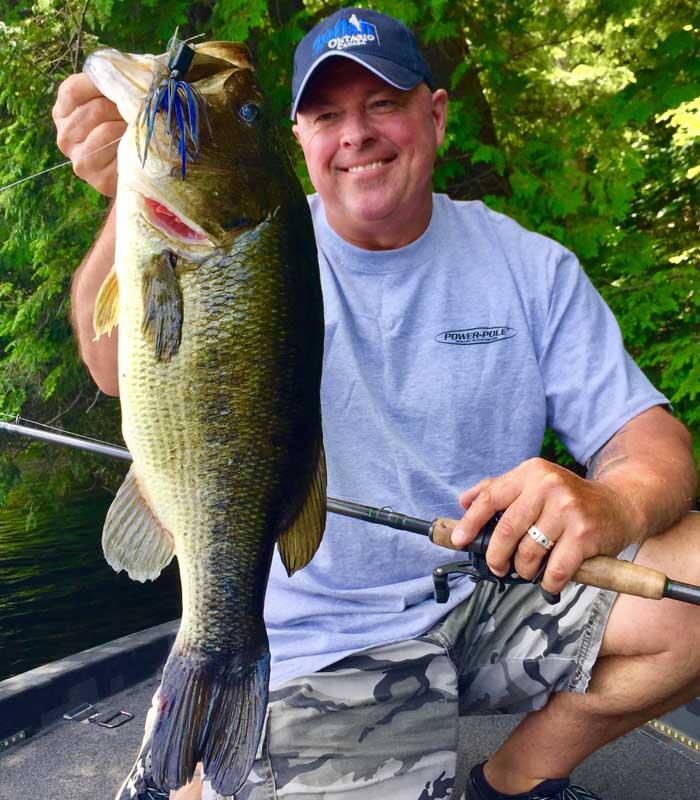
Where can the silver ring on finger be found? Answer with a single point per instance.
(535, 533)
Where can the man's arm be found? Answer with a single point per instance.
(100, 356)
(87, 128)
(639, 484)
(650, 461)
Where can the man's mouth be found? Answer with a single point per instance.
(368, 167)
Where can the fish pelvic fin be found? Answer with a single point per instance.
(162, 306)
(133, 538)
(300, 540)
(211, 711)
(106, 314)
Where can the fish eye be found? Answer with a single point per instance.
(249, 112)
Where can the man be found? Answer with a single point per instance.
(452, 337)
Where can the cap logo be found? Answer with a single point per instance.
(346, 33)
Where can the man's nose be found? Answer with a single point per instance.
(357, 131)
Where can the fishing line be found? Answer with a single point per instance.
(17, 419)
(56, 166)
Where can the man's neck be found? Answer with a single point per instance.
(383, 234)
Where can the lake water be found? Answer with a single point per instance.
(57, 593)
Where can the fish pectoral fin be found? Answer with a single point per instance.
(300, 540)
(162, 306)
(133, 538)
(106, 313)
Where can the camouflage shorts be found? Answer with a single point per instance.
(383, 722)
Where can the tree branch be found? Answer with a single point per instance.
(66, 410)
(79, 37)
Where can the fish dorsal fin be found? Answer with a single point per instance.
(106, 314)
(133, 538)
(298, 543)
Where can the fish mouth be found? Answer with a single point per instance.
(173, 223)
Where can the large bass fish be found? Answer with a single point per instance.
(217, 296)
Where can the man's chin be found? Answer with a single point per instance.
(371, 212)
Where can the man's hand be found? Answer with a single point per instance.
(583, 518)
(641, 481)
(85, 122)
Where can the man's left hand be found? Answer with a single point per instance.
(583, 518)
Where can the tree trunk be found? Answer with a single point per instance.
(478, 179)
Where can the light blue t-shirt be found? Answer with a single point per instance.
(444, 361)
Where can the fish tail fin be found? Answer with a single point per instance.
(139, 784)
(210, 710)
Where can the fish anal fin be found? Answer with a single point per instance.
(133, 538)
(162, 306)
(300, 539)
(106, 312)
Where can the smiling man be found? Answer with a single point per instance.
(370, 153)
(453, 337)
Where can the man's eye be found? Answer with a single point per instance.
(381, 104)
(326, 117)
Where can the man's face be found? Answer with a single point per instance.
(370, 148)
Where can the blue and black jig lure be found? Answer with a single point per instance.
(182, 104)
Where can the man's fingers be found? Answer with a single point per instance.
(87, 125)
(95, 159)
(467, 497)
(563, 563)
(494, 495)
(510, 537)
(100, 147)
(75, 91)
(530, 554)
(89, 118)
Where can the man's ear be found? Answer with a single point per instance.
(440, 114)
(295, 131)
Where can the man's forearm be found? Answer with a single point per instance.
(99, 356)
(649, 462)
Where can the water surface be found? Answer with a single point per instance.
(57, 593)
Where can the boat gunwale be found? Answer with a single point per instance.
(34, 699)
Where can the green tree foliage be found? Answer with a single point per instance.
(46, 225)
(580, 118)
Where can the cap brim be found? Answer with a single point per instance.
(393, 74)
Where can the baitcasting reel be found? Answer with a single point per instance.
(477, 569)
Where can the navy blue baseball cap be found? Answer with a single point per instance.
(378, 42)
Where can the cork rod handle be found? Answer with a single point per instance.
(604, 572)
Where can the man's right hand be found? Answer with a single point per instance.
(85, 122)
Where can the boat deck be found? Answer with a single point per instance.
(71, 760)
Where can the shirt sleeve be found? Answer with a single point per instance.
(592, 385)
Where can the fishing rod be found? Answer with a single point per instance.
(603, 572)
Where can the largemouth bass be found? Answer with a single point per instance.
(217, 296)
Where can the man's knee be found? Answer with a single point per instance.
(640, 627)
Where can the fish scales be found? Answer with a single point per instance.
(220, 347)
